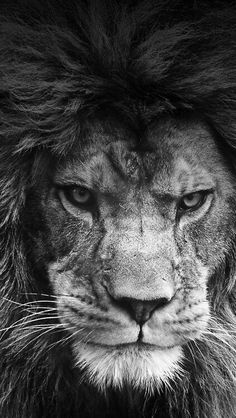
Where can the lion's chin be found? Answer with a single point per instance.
(140, 367)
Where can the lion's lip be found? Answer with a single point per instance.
(138, 345)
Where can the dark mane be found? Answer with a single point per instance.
(61, 63)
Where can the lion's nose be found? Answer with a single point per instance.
(142, 310)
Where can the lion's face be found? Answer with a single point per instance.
(136, 231)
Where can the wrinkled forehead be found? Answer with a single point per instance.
(183, 150)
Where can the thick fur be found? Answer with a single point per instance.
(60, 65)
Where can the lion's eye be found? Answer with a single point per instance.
(192, 201)
(77, 195)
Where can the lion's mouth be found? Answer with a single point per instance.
(137, 345)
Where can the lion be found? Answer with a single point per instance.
(117, 209)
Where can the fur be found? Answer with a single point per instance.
(60, 65)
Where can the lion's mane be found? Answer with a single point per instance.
(60, 63)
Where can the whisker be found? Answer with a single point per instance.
(51, 296)
(68, 338)
(220, 339)
(50, 329)
(23, 322)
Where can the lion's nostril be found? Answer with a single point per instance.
(142, 310)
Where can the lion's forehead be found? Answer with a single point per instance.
(169, 159)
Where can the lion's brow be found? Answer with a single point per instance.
(191, 178)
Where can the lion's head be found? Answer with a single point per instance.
(118, 213)
(135, 228)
